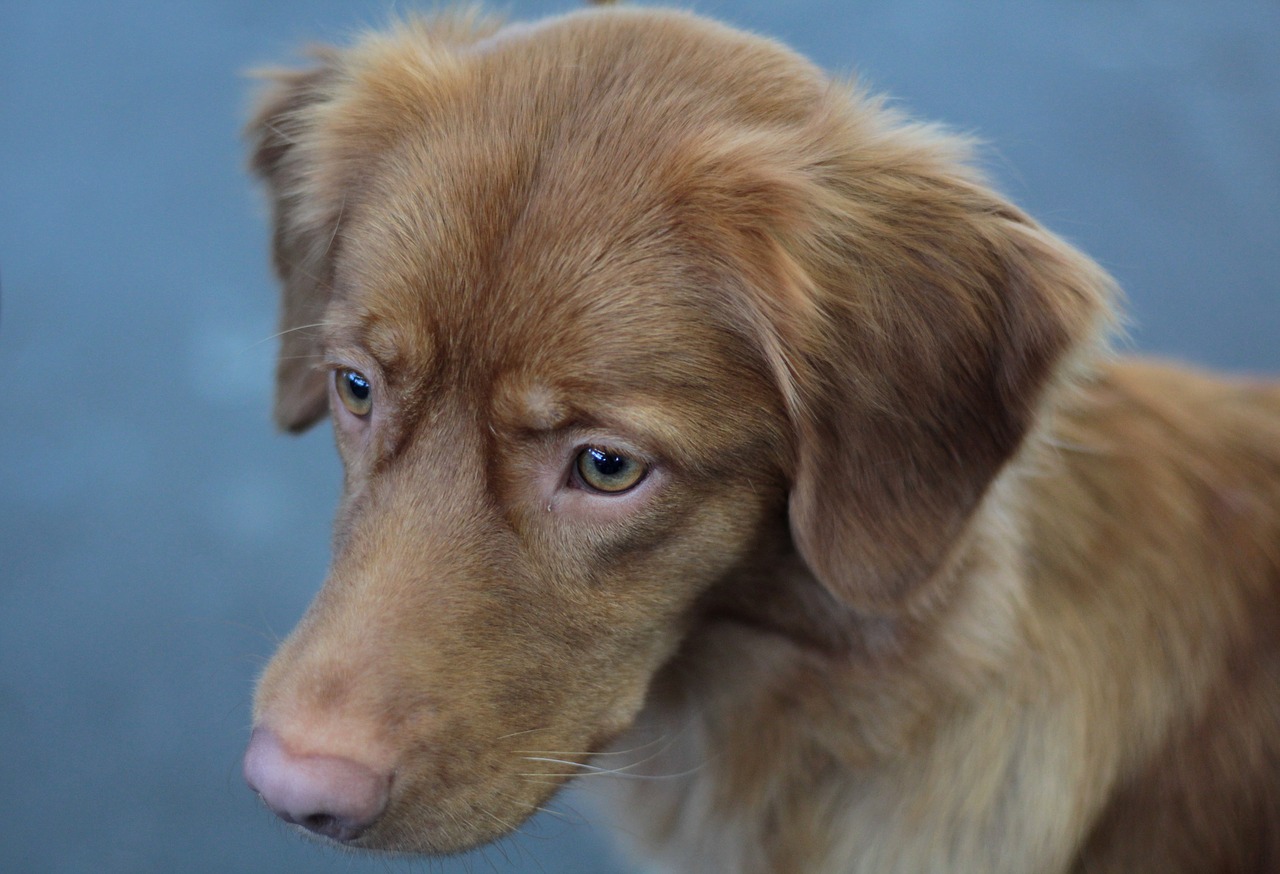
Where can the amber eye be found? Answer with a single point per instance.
(354, 391)
(607, 471)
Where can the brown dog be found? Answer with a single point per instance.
(696, 408)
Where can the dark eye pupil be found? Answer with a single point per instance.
(358, 386)
(607, 463)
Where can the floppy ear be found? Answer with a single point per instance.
(915, 323)
(303, 233)
(944, 317)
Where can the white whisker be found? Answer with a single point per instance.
(525, 731)
(277, 336)
(597, 771)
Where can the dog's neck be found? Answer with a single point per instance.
(935, 653)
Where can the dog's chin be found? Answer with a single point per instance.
(430, 819)
(413, 843)
(417, 827)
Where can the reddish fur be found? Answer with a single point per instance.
(919, 580)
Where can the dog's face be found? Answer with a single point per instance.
(609, 314)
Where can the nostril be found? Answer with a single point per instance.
(332, 796)
(319, 822)
(332, 827)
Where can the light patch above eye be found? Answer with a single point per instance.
(604, 470)
(354, 391)
(543, 407)
(525, 403)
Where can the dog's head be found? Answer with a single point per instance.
(608, 313)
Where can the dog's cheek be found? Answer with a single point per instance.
(648, 587)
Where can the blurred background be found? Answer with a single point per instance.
(157, 537)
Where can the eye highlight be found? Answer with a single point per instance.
(354, 391)
(609, 472)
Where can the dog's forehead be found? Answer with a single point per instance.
(526, 204)
(550, 315)
(511, 264)
(568, 135)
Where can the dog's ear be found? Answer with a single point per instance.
(303, 232)
(915, 322)
(915, 399)
(945, 318)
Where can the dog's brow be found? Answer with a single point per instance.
(543, 408)
(546, 407)
(524, 403)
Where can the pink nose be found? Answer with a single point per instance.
(329, 795)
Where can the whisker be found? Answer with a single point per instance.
(664, 739)
(576, 752)
(280, 334)
(265, 634)
(659, 745)
(567, 816)
(596, 771)
(317, 358)
(525, 731)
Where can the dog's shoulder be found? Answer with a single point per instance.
(1155, 565)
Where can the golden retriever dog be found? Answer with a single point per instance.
(706, 421)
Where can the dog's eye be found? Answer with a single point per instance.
(354, 391)
(607, 471)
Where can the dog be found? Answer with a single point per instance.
(707, 421)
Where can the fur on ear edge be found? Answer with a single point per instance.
(302, 236)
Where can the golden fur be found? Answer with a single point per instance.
(920, 579)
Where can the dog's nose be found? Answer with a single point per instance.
(329, 795)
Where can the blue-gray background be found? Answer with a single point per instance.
(156, 535)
